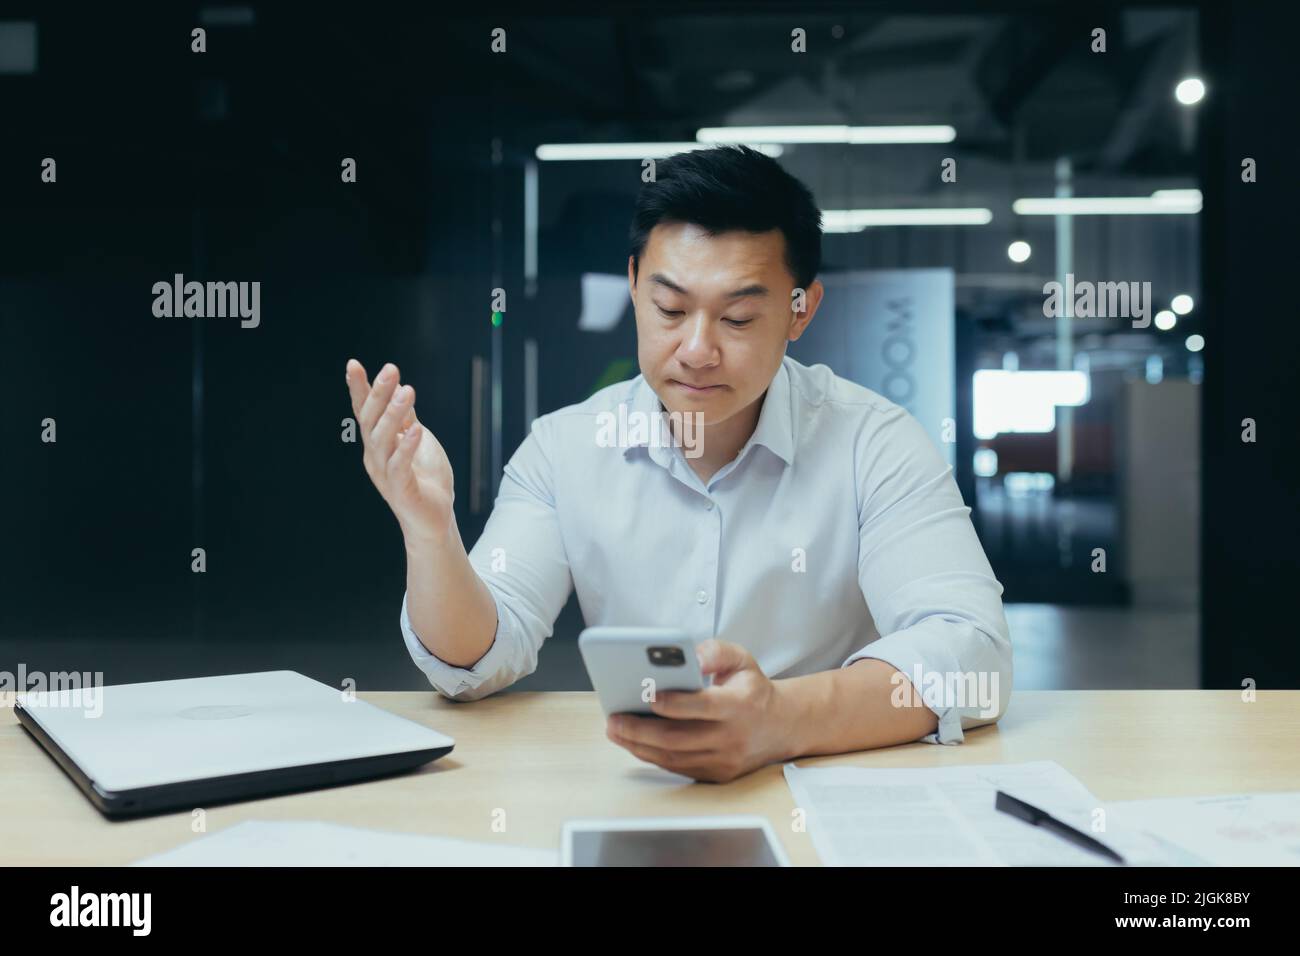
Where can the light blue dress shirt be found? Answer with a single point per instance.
(837, 533)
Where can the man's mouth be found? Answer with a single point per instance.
(696, 389)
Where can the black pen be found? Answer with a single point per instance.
(1032, 815)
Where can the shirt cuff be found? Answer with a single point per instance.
(899, 651)
(460, 683)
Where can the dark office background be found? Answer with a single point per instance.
(182, 433)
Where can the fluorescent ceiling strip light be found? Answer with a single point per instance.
(593, 151)
(1160, 202)
(856, 135)
(855, 220)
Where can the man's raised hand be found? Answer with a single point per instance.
(404, 461)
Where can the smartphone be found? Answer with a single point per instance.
(629, 665)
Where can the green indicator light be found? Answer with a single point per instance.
(496, 320)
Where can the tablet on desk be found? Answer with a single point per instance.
(672, 841)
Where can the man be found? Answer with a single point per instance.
(811, 538)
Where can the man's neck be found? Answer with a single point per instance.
(719, 443)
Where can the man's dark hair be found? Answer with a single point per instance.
(728, 188)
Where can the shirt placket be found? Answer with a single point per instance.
(703, 600)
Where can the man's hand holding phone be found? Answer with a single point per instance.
(737, 724)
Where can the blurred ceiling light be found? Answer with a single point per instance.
(1182, 304)
(1018, 251)
(589, 151)
(856, 135)
(1190, 91)
(1165, 320)
(855, 220)
(1023, 401)
(1160, 202)
(986, 462)
(1026, 484)
(1195, 343)
(1177, 195)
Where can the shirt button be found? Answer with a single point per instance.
(708, 506)
(702, 597)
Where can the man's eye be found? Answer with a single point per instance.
(739, 323)
(670, 313)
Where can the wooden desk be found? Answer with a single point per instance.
(543, 758)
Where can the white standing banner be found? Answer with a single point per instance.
(892, 331)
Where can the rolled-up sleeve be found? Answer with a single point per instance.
(520, 556)
(927, 581)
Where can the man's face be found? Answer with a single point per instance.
(713, 314)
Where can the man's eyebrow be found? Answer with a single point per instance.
(755, 289)
(665, 281)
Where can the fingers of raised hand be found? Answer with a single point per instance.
(398, 470)
(384, 436)
(358, 385)
(379, 398)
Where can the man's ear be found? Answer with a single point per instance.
(812, 299)
(631, 277)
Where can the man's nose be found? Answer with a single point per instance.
(699, 346)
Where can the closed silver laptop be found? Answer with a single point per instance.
(165, 745)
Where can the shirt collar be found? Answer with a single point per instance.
(774, 431)
(775, 428)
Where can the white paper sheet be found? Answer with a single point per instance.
(1243, 829)
(945, 816)
(315, 843)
